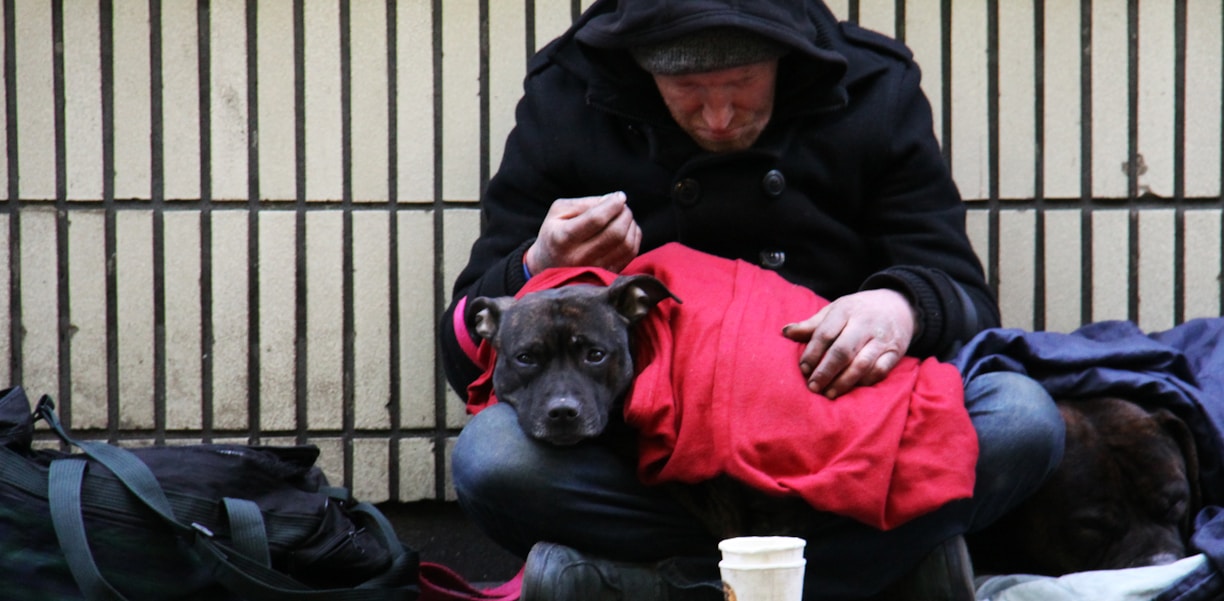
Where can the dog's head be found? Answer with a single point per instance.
(563, 355)
(1124, 495)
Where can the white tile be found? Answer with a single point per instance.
(1156, 111)
(1017, 271)
(461, 101)
(923, 22)
(184, 341)
(277, 110)
(6, 300)
(371, 464)
(416, 317)
(278, 315)
(1156, 268)
(4, 174)
(970, 115)
(82, 103)
(1110, 105)
(1203, 263)
(448, 493)
(369, 100)
(879, 15)
(840, 8)
(132, 101)
(552, 18)
(35, 100)
(1061, 106)
(324, 158)
(331, 458)
(39, 301)
(417, 469)
(180, 100)
(229, 315)
(1064, 272)
(977, 226)
(371, 321)
(87, 267)
(133, 265)
(507, 67)
(324, 320)
(414, 98)
(1017, 101)
(1111, 265)
(228, 102)
(1204, 47)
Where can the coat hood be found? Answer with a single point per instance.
(596, 50)
(805, 26)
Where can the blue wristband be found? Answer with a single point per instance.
(526, 272)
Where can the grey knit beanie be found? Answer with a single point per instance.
(707, 50)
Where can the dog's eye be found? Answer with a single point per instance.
(596, 355)
(1175, 509)
(525, 359)
(1096, 525)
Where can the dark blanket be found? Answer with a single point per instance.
(1181, 369)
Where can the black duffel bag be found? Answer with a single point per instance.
(204, 522)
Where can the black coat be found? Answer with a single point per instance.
(845, 189)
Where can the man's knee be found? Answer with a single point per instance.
(492, 454)
(1015, 411)
(1021, 436)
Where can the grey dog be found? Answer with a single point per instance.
(563, 355)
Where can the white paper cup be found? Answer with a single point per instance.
(762, 568)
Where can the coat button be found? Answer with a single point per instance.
(686, 192)
(773, 259)
(774, 183)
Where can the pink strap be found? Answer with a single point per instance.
(440, 583)
(461, 332)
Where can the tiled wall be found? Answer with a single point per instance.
(236, 220)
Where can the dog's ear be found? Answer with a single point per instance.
(633, 296)
(1185, 441)
(483, 314)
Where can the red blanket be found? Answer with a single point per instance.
(718, 391)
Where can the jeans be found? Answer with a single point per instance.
(520, 491)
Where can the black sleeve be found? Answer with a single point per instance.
(919, 226)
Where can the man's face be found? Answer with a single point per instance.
(722, 110)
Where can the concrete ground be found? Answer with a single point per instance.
(443, 535)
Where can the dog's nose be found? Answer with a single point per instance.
(563, 410)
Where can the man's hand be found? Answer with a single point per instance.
(854, 341)
(596, 231)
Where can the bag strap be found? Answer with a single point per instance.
(247, 530)
(134, 474)
(64, 494)
(405, 562)
(243, 575)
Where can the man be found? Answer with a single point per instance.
(764, 131)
